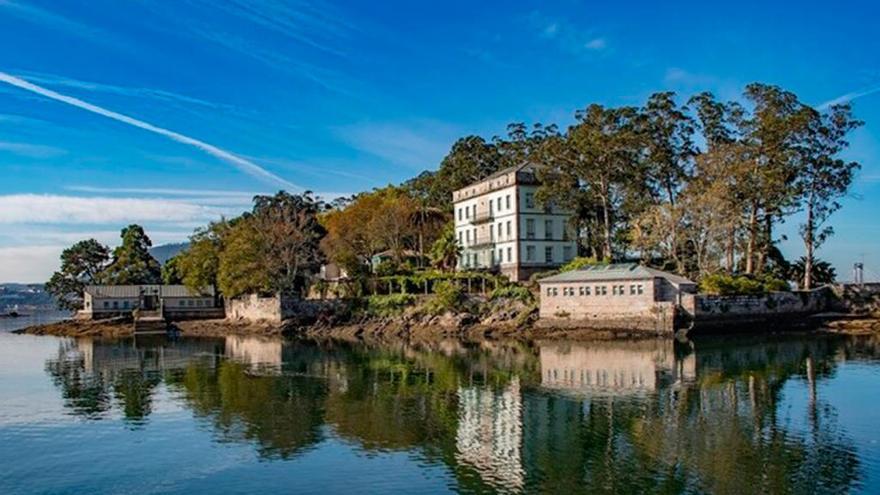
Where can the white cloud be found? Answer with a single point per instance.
(38, 209)
(567, 36)
(245, 166)
(31, 150)
(596, 44)
(29, 264)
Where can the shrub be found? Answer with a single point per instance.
(513, 291)
(389, 305)
(448, 296)
(725, 285)
(580, 262)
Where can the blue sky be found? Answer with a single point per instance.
(201, 104)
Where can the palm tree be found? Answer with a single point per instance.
(821, 274)
(446, 250)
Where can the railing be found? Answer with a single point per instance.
(482, 216)
(482, 242)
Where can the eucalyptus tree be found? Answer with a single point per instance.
(822, 178)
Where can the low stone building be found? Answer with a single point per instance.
(175, 301)
(625, 296)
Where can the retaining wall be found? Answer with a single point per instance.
(789, 308)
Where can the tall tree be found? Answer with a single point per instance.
(199, 264)
(823, 178)
(81, 264)
(132, 262)
(291, 234)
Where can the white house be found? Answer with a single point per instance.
(501, 227)
(102, 301)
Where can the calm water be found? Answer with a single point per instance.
(242, 415)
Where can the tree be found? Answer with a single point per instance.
(446, 251)
(132, 262)
(81, 265)
(241, 265)
(290, 235)
(171, 274)
(822, 272)
(822, 177)
(199, 263)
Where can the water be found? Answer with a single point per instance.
(235, 415)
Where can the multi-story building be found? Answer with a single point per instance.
(501, 227)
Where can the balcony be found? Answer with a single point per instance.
(482, 242)
(482, 216)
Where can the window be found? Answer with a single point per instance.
(613, 290)
(548, 229)
(475, 211)
(603, 289)
(115, 304)
(509, 255)
(566, 253)
(530, 200)
(106, 304)
(639, 289)
(632, 290)
(490, 207)
(492, 257)
(548, 254)
(587, 290)
(190, 303)
(467, 211)
(182, 302)
(555, 291)
(491, 232)
(508, 229)
(498, 204)
(125, 304)
(460, 238)
(460, 214)
(581, 291)
(507, 202)
(530, 253)
(530, 228)
(549, 291)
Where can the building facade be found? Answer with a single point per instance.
(104, 301)
(625, 295)
(501, 227)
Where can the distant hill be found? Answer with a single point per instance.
(24, 295)
(165, 251)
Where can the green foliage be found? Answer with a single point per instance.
(389, 305)
(171, 274)
(727, 285)
(448, 296)
(132, 262)
(81, 264)
(445, 251)
(580, 262)
(513, 291)
(822, 272)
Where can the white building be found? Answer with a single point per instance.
(103, 301)
(501, 227)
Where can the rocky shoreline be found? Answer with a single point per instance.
(390, 328)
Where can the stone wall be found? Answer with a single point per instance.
(659, 319)
(277, 309)
(790, 308)
(858, 299)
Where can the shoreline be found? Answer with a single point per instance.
(390, 329)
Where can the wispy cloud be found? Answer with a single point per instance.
(417, 145)
(848, 97)
(57, 22)
(29, 150)
(151, 93)
(567, 36)
(57, 209)
(245, 166)
(162, 191)
(28, 264)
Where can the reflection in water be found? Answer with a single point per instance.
(648, 416)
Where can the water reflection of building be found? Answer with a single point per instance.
(158, 355)
(258, 354)
(489, 435)
(613, 367)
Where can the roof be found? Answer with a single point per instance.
(495, 175)
(131, 291)
(616, 271)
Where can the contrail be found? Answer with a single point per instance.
(849, 97)
(245, 166)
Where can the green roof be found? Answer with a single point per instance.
(615, 271)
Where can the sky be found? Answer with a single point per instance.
(174, 113)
